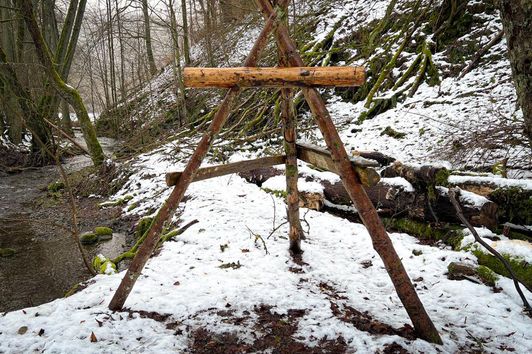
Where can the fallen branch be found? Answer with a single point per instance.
(481, 53)
(453, 193)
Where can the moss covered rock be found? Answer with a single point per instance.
(104, 233)
(88, 238)
(7, 252)
(103, 265)
(393, 133)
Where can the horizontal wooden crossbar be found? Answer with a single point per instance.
(274, 77)
(227, 169)
(312, 154)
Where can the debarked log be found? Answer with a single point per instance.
(222, 170)
(274, 77)
(321, 158)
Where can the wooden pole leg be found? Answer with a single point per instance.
(288, 117)
(170, 205)
(380, 239)
(292, 194)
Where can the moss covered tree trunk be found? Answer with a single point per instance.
(67, 92)
(517, 22)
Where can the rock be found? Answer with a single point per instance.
(7, 252)
(103, 233)
(480, 274)
(88, 238)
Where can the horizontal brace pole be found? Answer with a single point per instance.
(227, 169)
(312, 154)
(321, 158)
(274, 77)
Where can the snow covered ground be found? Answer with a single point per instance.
(188, 282)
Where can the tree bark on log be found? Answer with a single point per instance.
(273, 77)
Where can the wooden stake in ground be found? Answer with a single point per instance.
(169, 207)
(295, 231)
(381, 241)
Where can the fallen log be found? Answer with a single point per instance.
(382, 159)
(419, 176)
(396, 197)
(485, 185)
(274, 77)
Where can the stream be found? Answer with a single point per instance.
(47, 261)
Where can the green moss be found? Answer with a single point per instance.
(291, 171)
(126, 255)
(170, 235)
(393, 133)
(132, 206)
(118, 202)
(450, 235)
(88, 238)
(277, 193)
(72, 290)
(7, 252)
(515, 204)
(520, 267)
(103, 231)
(487, 276)
(108, 267)
(56, 186)
(142, 226)
(442, 177)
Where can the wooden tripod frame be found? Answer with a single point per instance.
(289, 56)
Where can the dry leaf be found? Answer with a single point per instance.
(22, 330)
(93, 338)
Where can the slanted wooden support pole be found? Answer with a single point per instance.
(381, 241)
(274, 77)
(169, 207)
(288, 118)
(221, 170)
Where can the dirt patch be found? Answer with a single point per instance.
(273, 332)
(362, 321)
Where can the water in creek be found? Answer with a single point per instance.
(47, 261)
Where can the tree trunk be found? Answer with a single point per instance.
(186, 44)
(147, 38)
(68, 93)
(517, 22)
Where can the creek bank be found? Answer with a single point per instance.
(35, 217)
